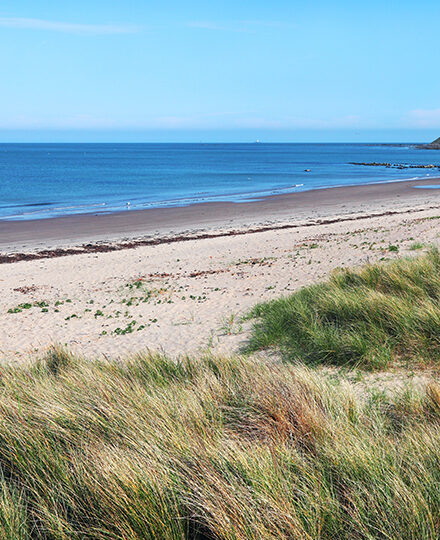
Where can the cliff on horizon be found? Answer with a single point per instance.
(434, 145)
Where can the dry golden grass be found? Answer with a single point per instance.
(214, 448)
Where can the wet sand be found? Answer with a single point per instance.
(223, 217)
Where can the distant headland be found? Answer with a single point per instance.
(435, 145)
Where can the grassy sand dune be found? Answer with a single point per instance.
(371, 317)
(211, 448)
(238, 447)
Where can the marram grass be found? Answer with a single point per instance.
(215, 448)
(371, 317)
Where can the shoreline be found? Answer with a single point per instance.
(93, 233)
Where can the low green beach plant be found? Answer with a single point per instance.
(416, 246)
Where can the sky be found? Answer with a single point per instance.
(219, 71)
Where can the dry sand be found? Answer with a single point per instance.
(188, 295)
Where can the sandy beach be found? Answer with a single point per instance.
(180, 279)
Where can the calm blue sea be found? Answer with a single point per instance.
(45, 180)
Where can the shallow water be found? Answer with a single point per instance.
(46, 180)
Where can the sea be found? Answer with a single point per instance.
(40, 181)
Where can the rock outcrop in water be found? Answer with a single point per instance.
(395, 165)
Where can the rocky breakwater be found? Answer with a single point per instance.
(395, 165)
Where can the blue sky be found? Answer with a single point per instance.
(138, 70)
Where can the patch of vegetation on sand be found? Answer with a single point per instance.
(215, 448)
(369, 317)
